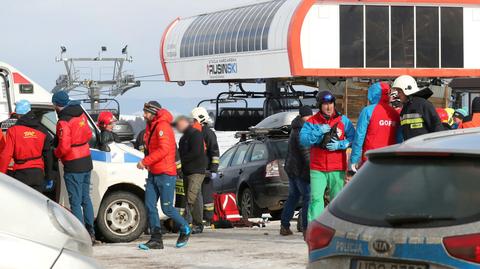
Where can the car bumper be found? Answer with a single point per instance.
(339, 262)
(271, 195)
(69, 259)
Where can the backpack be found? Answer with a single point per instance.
(226, 211)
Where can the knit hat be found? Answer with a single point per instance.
(152, 107)
(61, 99)
(305, 111)
(476, 105)
(22, 107)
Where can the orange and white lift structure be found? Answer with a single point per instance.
(323, 43)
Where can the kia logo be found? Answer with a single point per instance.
(381, 246)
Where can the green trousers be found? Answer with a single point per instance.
(319, 181)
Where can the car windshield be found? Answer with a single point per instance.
(279, 148)
(412, 192)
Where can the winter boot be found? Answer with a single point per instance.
(183, 237)
(155, 241)
(285, 231)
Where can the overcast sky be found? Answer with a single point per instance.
(33, 31)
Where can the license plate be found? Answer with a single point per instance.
(361, 264)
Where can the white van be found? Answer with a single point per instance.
(117, 188)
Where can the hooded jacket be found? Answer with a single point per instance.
(29, 144)
(297, 163)
(378, 124)
(473, 120)
(160, 146)
(73, 137)
(418, 116)
(191, 148)
(311, 136)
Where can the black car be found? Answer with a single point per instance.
(253, 170)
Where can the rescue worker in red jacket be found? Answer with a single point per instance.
(328, 134)
(377, 127)
(28, 143)
(160, 151)
(73, 149)
(106, 123)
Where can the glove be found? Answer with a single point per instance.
(214, 176)
(325, 128)
(338, 145)
(49, 184)
(353, 167)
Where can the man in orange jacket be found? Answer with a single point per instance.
(29, 145)
(160, 151)
(73, 149)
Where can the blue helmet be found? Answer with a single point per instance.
(22, 107)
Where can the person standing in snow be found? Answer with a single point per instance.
(160, 148)
(377, 127)
(298, 171)
(328, 134)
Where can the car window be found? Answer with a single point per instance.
(226, 157)
(239, 156)
(412, 192)
(259, 153)
(49, 120)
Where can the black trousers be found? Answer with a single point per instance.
(33, 177)
(208, 203)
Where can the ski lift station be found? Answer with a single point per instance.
(338, 45)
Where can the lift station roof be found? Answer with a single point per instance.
(330, 39)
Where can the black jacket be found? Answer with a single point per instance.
(211, 144)
(32, 121)
(419, 116)
(139, 141)
(79, 165)
(191, 148)
(298, 157)
(107, 137)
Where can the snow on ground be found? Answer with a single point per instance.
(245, 248)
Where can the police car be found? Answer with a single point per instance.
(411, 206)
(117, 188)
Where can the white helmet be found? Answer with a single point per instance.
(406, 83)
(201, 115)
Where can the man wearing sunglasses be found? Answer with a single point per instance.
(328, 134)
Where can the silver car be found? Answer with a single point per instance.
(38, 233)
(411, 206)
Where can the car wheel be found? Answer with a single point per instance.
(248, 207)
(122, 217)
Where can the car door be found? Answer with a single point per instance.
(254, 167)
(223, 169)
(230, 180)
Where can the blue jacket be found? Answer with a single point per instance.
(378, 124)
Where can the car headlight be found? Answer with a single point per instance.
(67, 223)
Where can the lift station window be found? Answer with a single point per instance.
(452, 37)
(351, 36)
(403, 39)
(381, 36)
(428, 33)
(236, 30)
(377, 31)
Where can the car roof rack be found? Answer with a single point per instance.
(261, 133)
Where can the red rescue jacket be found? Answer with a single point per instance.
(325, 160)
(73, 134)
(26, 145)
(160, 145)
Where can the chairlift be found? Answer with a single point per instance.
(235, 118)
(95, 112)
